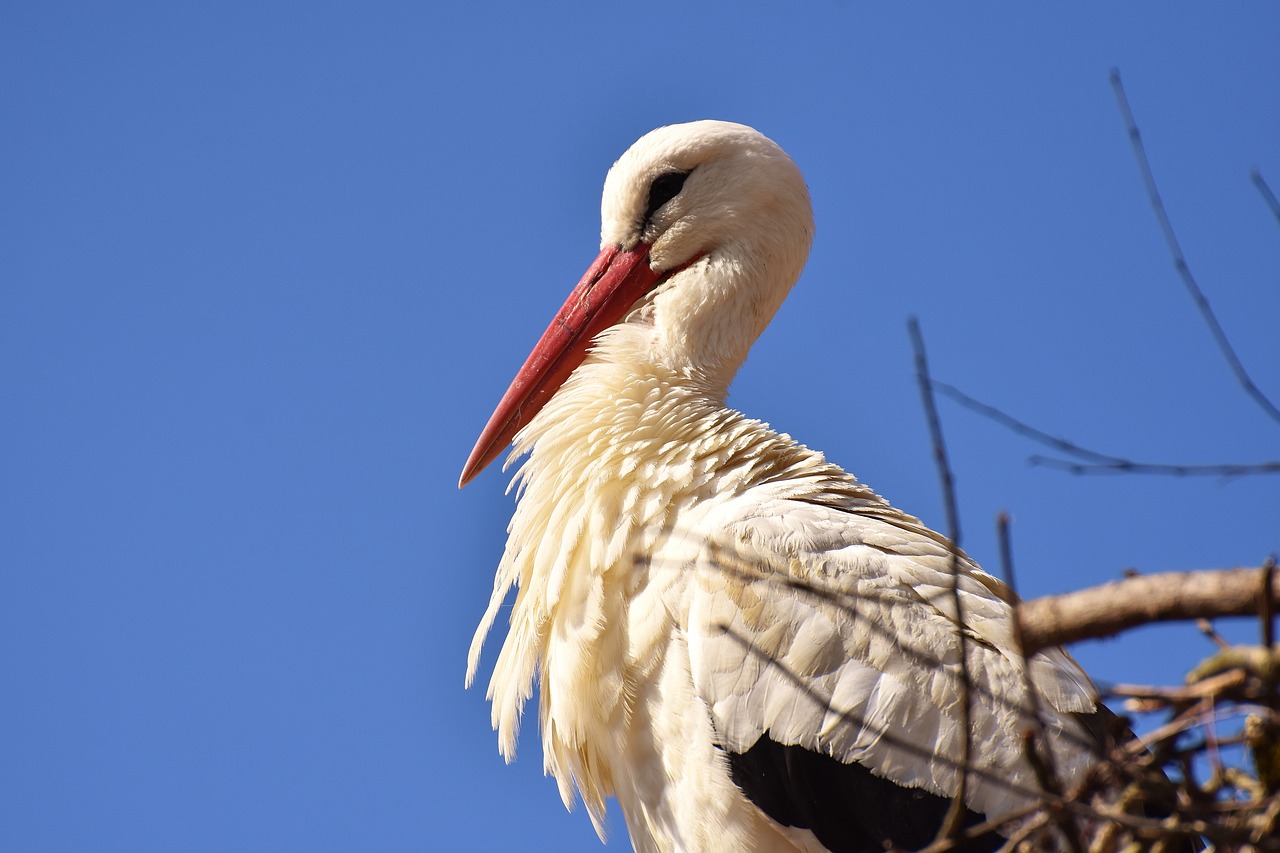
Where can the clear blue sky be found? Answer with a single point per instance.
(265, 269)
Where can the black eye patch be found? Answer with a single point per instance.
(662, 190)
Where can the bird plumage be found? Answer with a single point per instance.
(705, 603)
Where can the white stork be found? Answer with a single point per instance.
(747, 647)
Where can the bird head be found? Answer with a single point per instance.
(705, 227)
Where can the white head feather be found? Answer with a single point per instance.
(743, 214)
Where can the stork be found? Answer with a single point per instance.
(746, 646)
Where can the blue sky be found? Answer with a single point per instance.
(267, 268)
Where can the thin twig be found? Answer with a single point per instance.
(1095, 462)
(1206, 628)
(1024, 429)
(1027, 815)
(1033, 695)
(1267, 195)
(1229, 470)
(955, 816)
(1180, 261)
(1193, 716)
(1042, 760)
(1211, 743)
(1211, 686)
(1266, 608)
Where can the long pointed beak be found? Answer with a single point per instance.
(612, 284)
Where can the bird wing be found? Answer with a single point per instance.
(832, 630)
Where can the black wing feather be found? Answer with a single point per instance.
(848, 808)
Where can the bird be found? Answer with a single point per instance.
(739, 641)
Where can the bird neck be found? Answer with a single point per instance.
(624, 422)
(623, 449)
(630, 420)
(701, 323)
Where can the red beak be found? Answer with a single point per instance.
(613, 283)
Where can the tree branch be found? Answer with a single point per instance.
(1267, 195)
(1180, 261)
(1095, 462)
(952, 825)
(1228, 469)
(1103, 611)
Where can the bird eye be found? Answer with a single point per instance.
(662, 190)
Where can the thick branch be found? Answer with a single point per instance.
(1102, 611)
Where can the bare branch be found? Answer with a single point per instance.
(1187, 693)
(1206, 628)
(1127, 467)
(1267, 195)
(1026, 828)
(952, 825)
(1039, 752)
(1102, 611)
(1024, 429)
(1096, 463)
(1180, 261)
(1266, 610)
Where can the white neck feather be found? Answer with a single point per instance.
(624, 447)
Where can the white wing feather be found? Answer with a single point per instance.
(835, 630)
